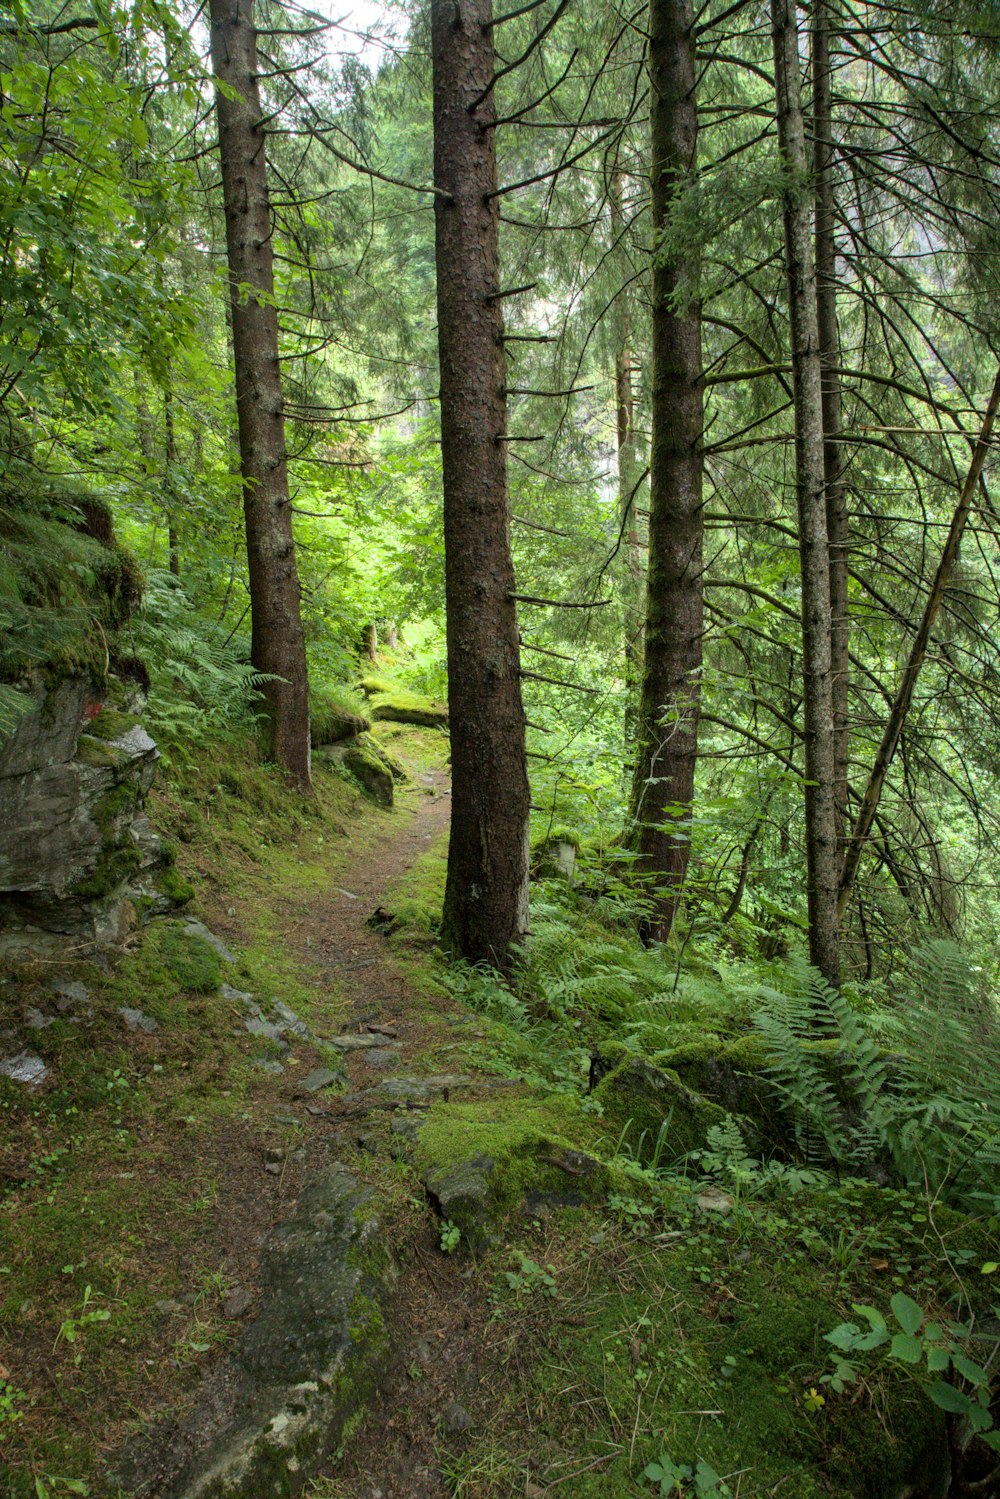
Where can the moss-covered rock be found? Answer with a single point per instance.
(652, 1109)
(73, 780)
(389, 702)
(294, 1384)
(191, 960)
(733, 1074)
(372, 767)
(480, 1160)
(333, 717)
(370, 771)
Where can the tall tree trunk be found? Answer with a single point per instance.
(629, 478)
(667, 748)
(277, 638)
(486, 895)
(837, 520)
(173, 540)
(918, 650)
(810, 491)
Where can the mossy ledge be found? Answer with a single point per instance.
(268, 1416)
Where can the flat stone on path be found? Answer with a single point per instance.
(320, 1078)
(70, 992)
(381, 1058)
(240, 995)
(137, 1021)
(268, 1415)
(258, 1026)
(359, 1043)
(24, 1068)
(290, 1021)
(419, 1089)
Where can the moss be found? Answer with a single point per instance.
(369, 768)
(559, 834)
(97, 754)
(335, 715)
(111, 724)
(191, 960)
(393, 703)
(479, 1160)
(639, 1099)
(112, 871)
(173, 886)
(733, 1074)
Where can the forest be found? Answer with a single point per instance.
(499, 713)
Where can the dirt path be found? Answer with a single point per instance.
(432, 1392)
(333, 934)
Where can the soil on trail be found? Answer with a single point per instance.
(332, 932)
(432, 1393)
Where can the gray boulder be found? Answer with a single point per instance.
(74, 775)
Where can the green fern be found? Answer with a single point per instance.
(920, 1104)
(198, 677)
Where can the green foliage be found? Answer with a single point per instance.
(935, 1353)
(200, 679)
(451, 1237)
(531, 1279)
(85, 1316)
(10, 1399)
(852, 1100)
(681, 1478)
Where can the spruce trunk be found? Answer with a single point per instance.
(837, 520)
(629, 477)
(277, 638)
(810, 491)
(486, 895)
(667, 748)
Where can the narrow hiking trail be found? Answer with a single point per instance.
(176, 1144)
(410, 1048)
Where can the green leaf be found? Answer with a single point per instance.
(937, 1360)
(871, 1314)
(907, 1347)
(990, 1268)
(947, 1398)
(906, 1312)
(969, 1370)
(845, 1336)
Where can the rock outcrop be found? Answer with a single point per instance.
(74, 841)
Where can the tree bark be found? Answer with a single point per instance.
(369, 642)
(632, 573)
(277, 638)
(667, 748)
(837, 520)
(486, 894)
(918, 650)
(810, 490)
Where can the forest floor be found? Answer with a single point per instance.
(141, 1179)
(584, 1339)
